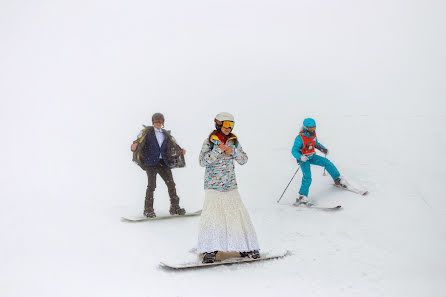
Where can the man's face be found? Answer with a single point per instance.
(158, 124)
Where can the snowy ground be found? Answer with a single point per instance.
(78, 79)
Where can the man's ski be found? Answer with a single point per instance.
(353, 189)
(229, 261)
(311, 205)
(144, 218)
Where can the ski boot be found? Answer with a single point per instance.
(302, 199)
(148, 205)
(150, 213)
(209, 257)
(338, 182)
(177, 210)
(251, 254)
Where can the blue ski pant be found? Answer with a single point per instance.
(306, 171)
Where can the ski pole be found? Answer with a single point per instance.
(289, 183)
(324, 174)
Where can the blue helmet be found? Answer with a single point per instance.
(309, 122)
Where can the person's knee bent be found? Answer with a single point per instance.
(328, 164)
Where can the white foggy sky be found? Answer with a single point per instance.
(97, 70)
(104, 52)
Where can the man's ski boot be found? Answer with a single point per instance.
(209, 257)
(177, 210)
(251, 254)
(148, 205)
(150, 213)
(338, 182)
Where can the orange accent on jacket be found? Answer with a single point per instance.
(309, 144)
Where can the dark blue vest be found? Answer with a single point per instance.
(152, 150)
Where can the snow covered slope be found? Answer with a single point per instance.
(79, 78)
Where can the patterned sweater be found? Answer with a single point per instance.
(219, 174)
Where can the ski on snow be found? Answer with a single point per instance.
(144, 218)
(311, 205)
(353, 189)
(228, 261)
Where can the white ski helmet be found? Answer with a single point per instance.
(224, 116)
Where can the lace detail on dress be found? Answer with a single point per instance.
(225, 224)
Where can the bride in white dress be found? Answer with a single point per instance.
(225, 224)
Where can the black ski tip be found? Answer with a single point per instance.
(333, 208)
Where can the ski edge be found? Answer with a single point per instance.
(353, 190)
(318, 207)
(327, 208)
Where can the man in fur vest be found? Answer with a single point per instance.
(156, 149)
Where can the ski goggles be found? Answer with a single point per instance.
(158, 122)
(227, 124)
(311, 129)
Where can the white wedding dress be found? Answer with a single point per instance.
(225, 224)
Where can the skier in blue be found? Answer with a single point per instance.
(304, 151)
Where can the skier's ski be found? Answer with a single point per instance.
(144, 218)
(353, 189)
(236, 260)
(311, 205)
